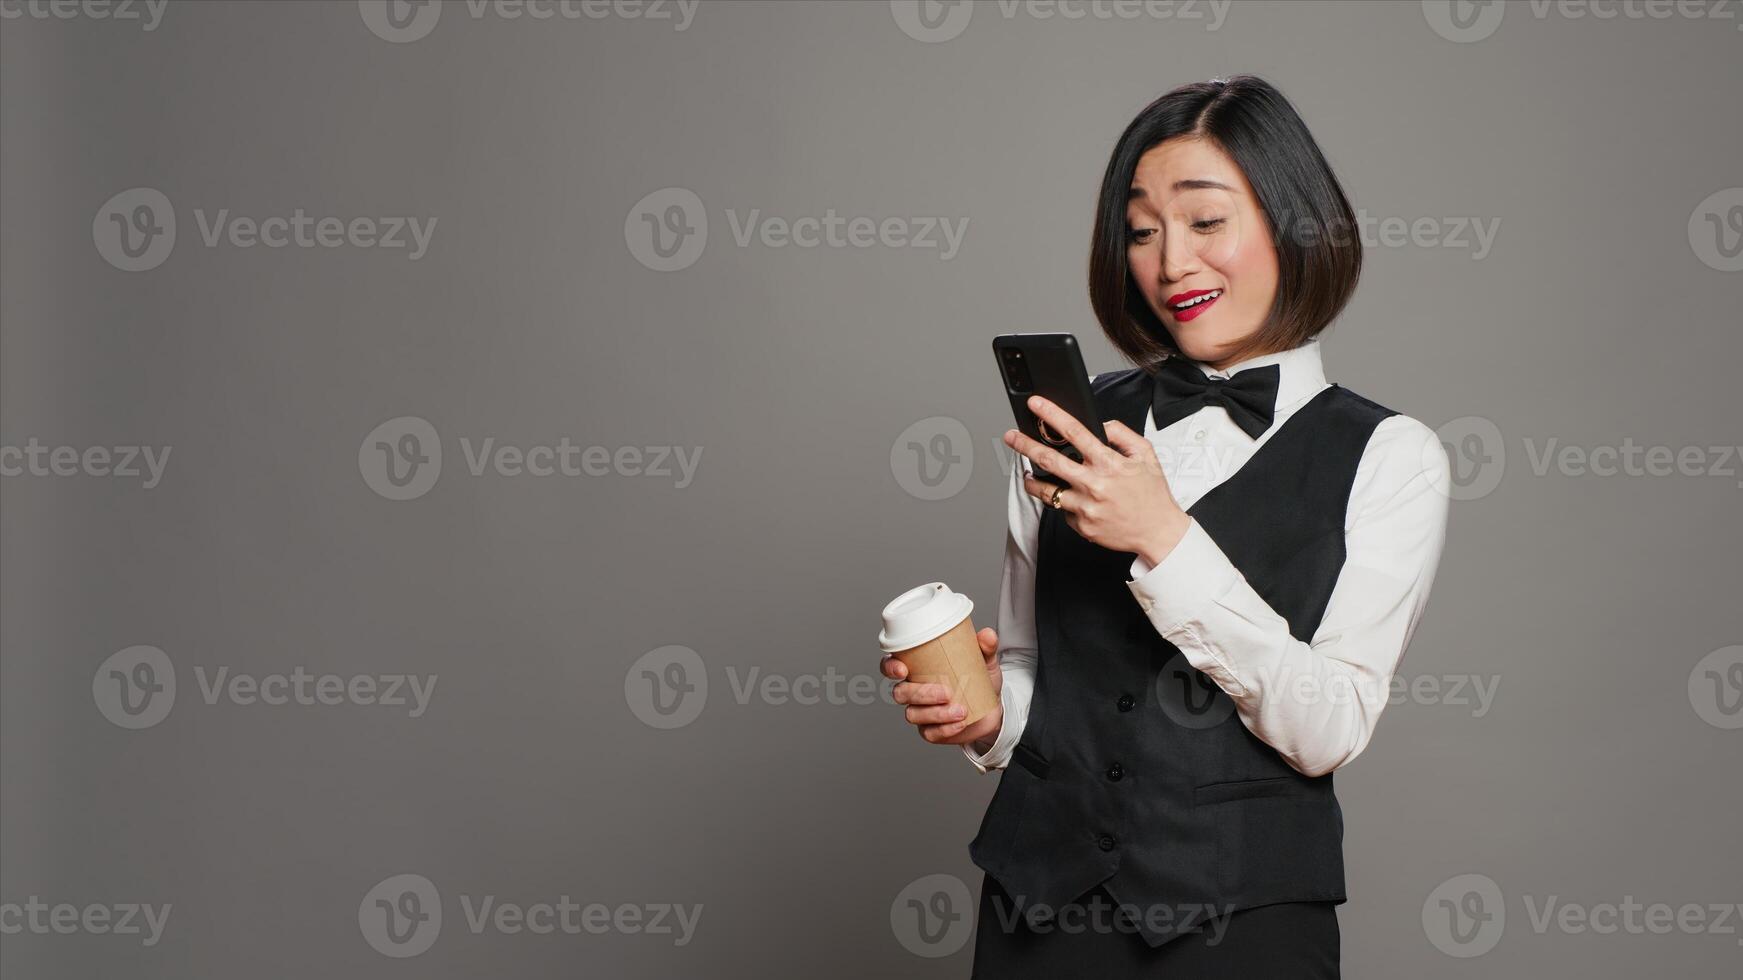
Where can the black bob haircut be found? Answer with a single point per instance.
(1311, 223)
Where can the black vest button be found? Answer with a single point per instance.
(1105, 842)
(1115, 771)
(1125, 702)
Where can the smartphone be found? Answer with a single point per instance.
(1049, 365)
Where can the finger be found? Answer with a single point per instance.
(942, 733)
(1048, 458)
(989, 642)
(911, 693)
(1069, 504)
(1043, 491)
(1135, 450)
(936, 714)
(1067, 425)
(894, 669)
(1125, 440)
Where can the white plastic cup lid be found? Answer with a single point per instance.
(922, 614)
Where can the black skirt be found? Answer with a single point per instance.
(1288, 941)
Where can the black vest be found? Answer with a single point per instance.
(1134, 771)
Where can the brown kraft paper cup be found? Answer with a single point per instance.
(955, 661)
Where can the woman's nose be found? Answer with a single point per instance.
(1178, 258)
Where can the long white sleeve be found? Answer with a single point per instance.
(1016, 624)
(1316, 703)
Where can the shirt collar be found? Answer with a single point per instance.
(1301, 374)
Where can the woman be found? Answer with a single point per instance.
(1203, 625)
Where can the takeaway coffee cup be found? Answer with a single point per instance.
(929, 630)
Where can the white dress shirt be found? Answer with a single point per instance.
(1315, 703)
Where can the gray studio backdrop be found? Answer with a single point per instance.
(454, 457)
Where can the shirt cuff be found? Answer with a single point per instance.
(1193, 575)
(1010, 732)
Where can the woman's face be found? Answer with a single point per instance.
(1199, 247)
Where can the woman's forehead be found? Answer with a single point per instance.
(1180, 167)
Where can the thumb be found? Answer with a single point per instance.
(989, 642)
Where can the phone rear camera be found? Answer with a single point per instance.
(1016, 370)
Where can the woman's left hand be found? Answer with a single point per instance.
(1118, 496)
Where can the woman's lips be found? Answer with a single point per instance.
(1191, 305)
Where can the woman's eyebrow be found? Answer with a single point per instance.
(1194, 184)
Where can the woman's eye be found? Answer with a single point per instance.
(1207, 224)
(1139, 236)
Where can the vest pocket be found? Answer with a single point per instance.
(1029, 759)
(1248, 789)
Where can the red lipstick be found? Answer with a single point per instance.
(1191, 304)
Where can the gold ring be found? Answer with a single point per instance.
(1055, 501)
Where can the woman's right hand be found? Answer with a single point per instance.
(931, 710)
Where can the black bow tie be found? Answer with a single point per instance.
(1250, 396)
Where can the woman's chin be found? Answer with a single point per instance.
(1196, 341)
